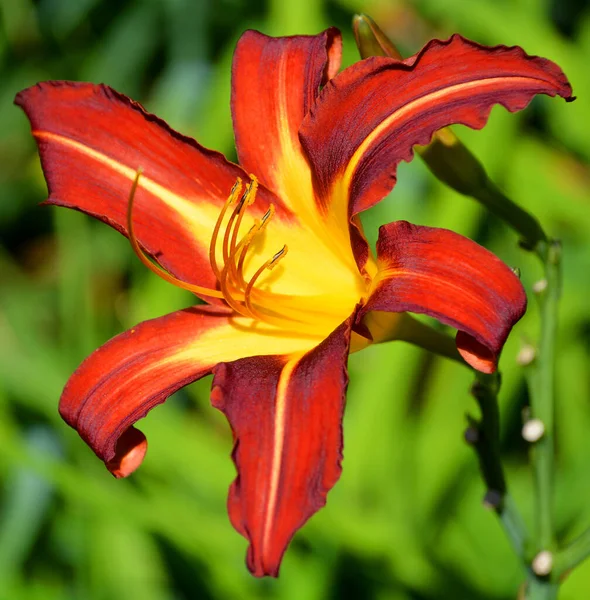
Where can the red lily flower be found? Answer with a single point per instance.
(322, 147)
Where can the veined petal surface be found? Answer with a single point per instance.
(92, 140)
(373, 113)
(275, 82)
(124, 379)
(447, 276)
(286, 415)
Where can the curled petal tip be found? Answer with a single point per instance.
(475, 354)
(129, 453)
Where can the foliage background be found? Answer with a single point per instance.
(406, 520)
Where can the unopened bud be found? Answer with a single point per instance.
(453, 163)
(370, 40)
(526, 355)
(533, 430)
(540, 286)
(542, 563)
(446, 156)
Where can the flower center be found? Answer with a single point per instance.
(240, 294)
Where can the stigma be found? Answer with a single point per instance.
(228, 252)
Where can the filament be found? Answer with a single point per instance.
(158, 270)
(240, 295)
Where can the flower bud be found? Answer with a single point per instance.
(370, 40)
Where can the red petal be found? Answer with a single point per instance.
(449, 277)
(275, 82)
(92, 140)
(371, 115)
(286, 416)
(123, 380)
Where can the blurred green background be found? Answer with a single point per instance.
(406, 520)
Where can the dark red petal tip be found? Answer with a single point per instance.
(123, 380)
(129, 453)
(476, 354)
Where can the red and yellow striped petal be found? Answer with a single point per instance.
(447, 276)
(92, 140)
(286, 414)
(124, 379)
(275, 82)
(371, 115)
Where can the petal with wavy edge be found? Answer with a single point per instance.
(92, 140)
(286, 414)
(373, 113)
(123, 380)
(447, 276)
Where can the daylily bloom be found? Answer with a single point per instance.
(276, 249)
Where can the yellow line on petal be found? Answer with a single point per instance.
(278, 446)
(202, 218)
(402, 112)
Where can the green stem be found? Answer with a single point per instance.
(425, 336)
(486, 443)
(530, 230)
(541, 377)
(540, 589)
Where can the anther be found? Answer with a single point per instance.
(250, 193)
(269, 264)
(280, 254)
(267, 217)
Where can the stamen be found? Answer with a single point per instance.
(248, 199)
(258, 227)
(238, 294)
(195, 289)
(231, 229)
(225, 280)
(235, 192)
(269, 264)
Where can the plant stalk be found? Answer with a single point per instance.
(484, 435)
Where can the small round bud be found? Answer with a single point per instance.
(526, 355)
(540, 286)
(542, 563)
(533, 430)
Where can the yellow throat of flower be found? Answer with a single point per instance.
(229, 252)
